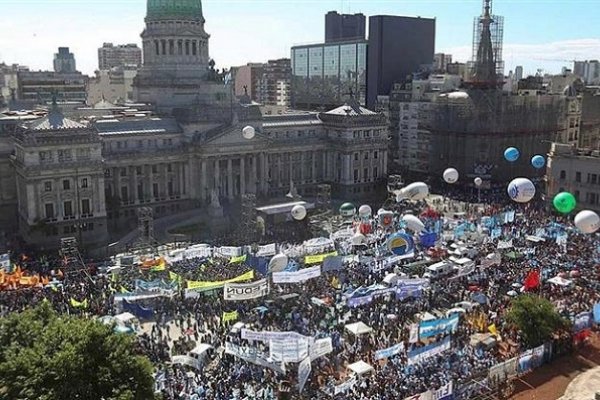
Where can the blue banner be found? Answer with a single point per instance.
(259, 264)
(389, 352)
(332, 263)
(438, 326)
(597, 313)
(137, 310)
(428, 239)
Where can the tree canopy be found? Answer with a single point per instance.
(536, 318)
(47, 356)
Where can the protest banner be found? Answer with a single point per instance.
(245, 291)
(209, 285)
(267, 336)
(228, 251)
(298, 276)
(423, 353)
(320, 347)
(436, 327)
(390, 351)
(254, 356)
(229, 316)
(345, 386)
(288, 350)
(318, 258)
(304, 369)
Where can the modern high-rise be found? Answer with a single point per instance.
(589, 71)
(111, 56)
(64, 61)
(344, 27)
(275, 83)
(518, 73)
(441, 61)
(398, 47)
(325, 74)
(41, 87)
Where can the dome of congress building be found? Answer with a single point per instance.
(174, 9)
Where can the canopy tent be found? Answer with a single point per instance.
(455, 310)
(200, 349)
(359, 328)
(360, 367)
(126, 318)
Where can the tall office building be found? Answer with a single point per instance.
(441, 61)
(111, 56)
(275, 83)
(324, 75)
(343, 27)
(64, 61)
(588, 70)
(398, 47)
(518, 73)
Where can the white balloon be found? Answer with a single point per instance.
(478, 181)
(365, 210)
(521, 190)
(414, 191)
(587, 221)
(248, 132)
(278, 262)
(451, 175)
(298, 212)
(413, 223)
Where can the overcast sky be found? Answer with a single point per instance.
(537, 34)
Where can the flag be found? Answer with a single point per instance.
(335, 283)
(238, 260)
(161, 265)
(79, 304)
(123, 289)
(173, 277)
(532, 281)
(229, 316)
(493, 330)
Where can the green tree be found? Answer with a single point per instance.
(47, 356)
(536, 318)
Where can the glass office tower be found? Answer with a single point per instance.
(325, 75)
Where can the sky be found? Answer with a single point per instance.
(538, 34)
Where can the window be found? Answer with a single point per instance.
(170, 188)
(375, 173)
(578, 176)
(66, 184)
(67, 209)
(84, 183)
(154, 169)
(47, 186)
(355, 156)
(576, 195)
(49, 208)
(45, 157)
(140, 144)
(169, 168)
(376, 154)
(123, 171)
(140, 191)
(107, 173)
(563, 174)
(366, 155)
(366, 175)
(85, 206)
(124, 194)
(355, 175)
(138, 170)
(155, 190)
(64, 155)
(594, 179)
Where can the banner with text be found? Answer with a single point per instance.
(298, 276)
(423, 353)
(438, 326)
(245, 291)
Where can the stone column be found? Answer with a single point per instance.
(217, 170)
(117, 182)
(184, 176)
(385, 163)
(242, 175)
(302, 167)
(263, 173)
(134, 179)
(314, 167)
(230, 179)
(279, 169)
(254, 174)
(203, 181)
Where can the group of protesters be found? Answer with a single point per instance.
(319, 308)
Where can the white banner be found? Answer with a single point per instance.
(228, 251)
(267, 250)
(320, 348)
(187, 360)
(505, 244)
(303, 373)
(422, 396)
(267, 336)
(298, 276)
(253, 355)
(414, 333)
(199, 252)
(431, 350)
(288, 350)
(245, 291)
(444, 393)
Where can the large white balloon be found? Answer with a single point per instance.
(365, 210)
(414, 191)
(451, 175)
(298, 212)
(413, 223)
(587, 221)
(358, 239)
(478, 181)
(278, 262)
(521, 190)
(248, 132)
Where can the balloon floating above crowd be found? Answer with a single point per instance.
(587, 221)
(413, 223)
(521, 190)
(347, 210)
(365, 211)
(564, 202)
(400, 244)
(538, 161)
(478, 181)
(512, 154)
(298, 212)
(451, 175)
(415, 191)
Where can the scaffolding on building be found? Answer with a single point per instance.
(146, 239)
(71, 257)
(248, 225)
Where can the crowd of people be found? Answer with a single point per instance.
(318, 308)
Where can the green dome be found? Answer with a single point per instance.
(174, 9)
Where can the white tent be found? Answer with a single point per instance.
(359, 328)
(126, 318)
(391, 279)
(360, 367)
